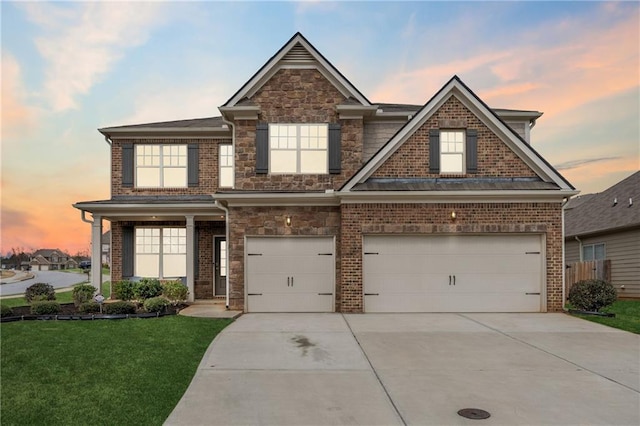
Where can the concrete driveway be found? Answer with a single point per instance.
(333, 369)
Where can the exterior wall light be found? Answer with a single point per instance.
(287, 221)
(453, 215)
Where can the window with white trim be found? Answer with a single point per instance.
(593, 252)
(452, 151)
(226, 166)
(161, 166)
(298, 148)
(161, 252)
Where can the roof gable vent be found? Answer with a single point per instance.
(298, 54)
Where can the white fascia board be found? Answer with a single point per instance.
(240, 112)
(267, 71)
(146, 209)
(434, 197)
(173, 132)
(279, 199)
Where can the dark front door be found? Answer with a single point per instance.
(220, 266)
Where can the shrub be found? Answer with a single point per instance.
(175, 291)
(5, 311)
(123, 290)
(156, 304)
(82, 293)
(89, 307)
(39, 291)
(119, 308)
(592, 295)
(147, 288)
(45, 307)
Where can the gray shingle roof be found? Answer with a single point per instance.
(190, 123)
(453, 184)
(598, 213)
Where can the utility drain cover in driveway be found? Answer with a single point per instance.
(474, 413)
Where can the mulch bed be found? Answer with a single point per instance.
(70, 312)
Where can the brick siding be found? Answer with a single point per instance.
(495, 159)
(426, 219)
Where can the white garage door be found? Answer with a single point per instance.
(290, 274)
(496, 273)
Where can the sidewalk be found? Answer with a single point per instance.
(209, 309)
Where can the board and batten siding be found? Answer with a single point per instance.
(623, 249)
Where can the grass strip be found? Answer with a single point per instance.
(627, 316)
(99, 372)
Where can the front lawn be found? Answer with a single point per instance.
(99, 372)
(627, 316)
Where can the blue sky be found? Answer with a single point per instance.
(70, 68)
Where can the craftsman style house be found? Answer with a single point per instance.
(304, 196)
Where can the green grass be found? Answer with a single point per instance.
(99, 372)
(62, 297)
(627, 316)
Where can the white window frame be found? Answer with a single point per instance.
(161, 243)
(453, 144)
(225, 163)
(299, 143)
(165, 159)
(592, 247)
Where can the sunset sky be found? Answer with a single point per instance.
(70, 68)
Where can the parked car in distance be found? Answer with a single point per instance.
(85, 264)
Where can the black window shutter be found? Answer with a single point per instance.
(262, 148)
(127, 251)
(472, 151)
(434, 151)
(335, 148)
(192, 164)
(127, 164)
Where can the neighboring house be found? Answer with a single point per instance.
(607, 226)
(305, 196)
(106, 249)
(51, 260)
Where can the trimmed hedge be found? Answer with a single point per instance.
(175, 291)
(147, 288)
(39, 291)
(123, 290)
(89, 307)
(117, 308)
(592, 295)
(156, 304)
(5, 311)
(83, 293)
(45, 307)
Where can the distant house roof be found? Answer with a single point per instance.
(47, 253)
(606, 211)
(39, 260)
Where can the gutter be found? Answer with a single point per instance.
(226, 218)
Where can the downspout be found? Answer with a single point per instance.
(580, 248)
(219, 205)
(564, 285)
(84, 217)
(224, 208)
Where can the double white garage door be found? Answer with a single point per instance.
(487, 273)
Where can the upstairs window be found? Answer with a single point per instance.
(593, 252)
(298, 148)
(226, 166)
(452, 152)
(161, 166)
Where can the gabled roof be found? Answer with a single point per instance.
(298, 53)
(47, 253)
(609, 210)
(455, 87)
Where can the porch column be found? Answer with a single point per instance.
(190, 258)
(96, 253)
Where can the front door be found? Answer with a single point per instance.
(220, 266)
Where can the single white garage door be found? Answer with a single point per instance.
(290, 274)
(446, 273)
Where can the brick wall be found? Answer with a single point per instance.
(265, 221)
(416, 219)
(495, 159)
(296, 96)
(208, 167)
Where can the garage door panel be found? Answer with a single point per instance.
(453, 273)
(290, 274)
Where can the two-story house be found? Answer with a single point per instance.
(51, 260)
(303, 195)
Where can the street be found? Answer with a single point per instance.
(56, 278)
